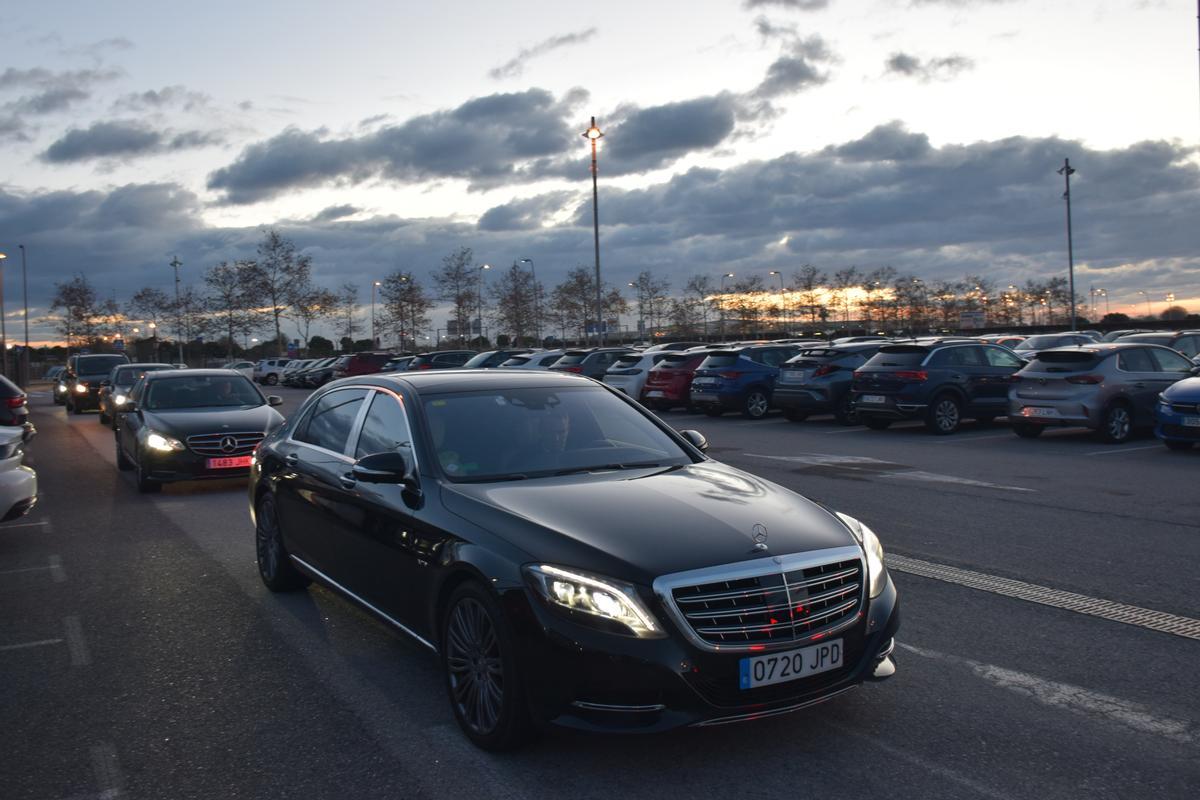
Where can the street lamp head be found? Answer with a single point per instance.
(593, 132)
(774, 272)
(377, 283)
(3, 256)
(631, 283)
(727, 275)
(486, 266)
(526, 260)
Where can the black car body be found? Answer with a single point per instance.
(82, 379)
(192, 425)
(115, 389)
(592, 363)
(939, 382)
(624, 596)
(322, 372)
(818, 381)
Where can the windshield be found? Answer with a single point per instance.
(128, 376)
(98, 365)
(201, 391)
(510, 434)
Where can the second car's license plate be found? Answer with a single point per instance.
(872, 398)
(1191, 422)
(793, 376)
(789, 665)
(1039, 411)
(229, 463)
(654, 393)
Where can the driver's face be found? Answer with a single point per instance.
(552, 432)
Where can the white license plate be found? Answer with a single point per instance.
(872, 398)
(1191, 422)
(229, 463)
(789, 665)
(704, 397)
(1037, 411)
(654, 393)
(793, 375)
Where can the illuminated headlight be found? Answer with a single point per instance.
(119, 399)
(81, 388)
(156, 441)
(595, 596)
(62, 388)
(866, 537)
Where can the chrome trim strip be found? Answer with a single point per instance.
(326, 579)
(742, 612)
(664, 586)
(772, 713)
(623, 709)
(791, 623)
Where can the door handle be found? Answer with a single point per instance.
(291, 459)
(347, 480)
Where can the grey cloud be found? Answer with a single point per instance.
(890, 142)
(790, 5)
(516, 65)
(49, 101)
(166, 97)
(649, 138)
(121, 140)
(941, 68)
(525, 214)
(331, 213)
(769, 30)
(52, 92)
(799, 67)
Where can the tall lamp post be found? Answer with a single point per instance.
(1146, 295)
(1067, 171)
(641, 309)
(723, 278)
(374, 342)
(1103, 293)
(25, 304)
(176, 263)
(593, 134)
(782, 304)
(537, 313)
(482, 273)
(153, 326)
(3, 334)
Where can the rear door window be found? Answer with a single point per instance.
(958, 357)
(1188, 345)
(1136, 360)
(719, 361)
(548, 360)
(899, 357)
(1170, 362)
(329, 423)
(999, 357)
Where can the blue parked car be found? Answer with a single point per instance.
(739, 379)
(1177, 415)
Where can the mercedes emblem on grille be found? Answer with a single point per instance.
(759, 532)
(228, 444)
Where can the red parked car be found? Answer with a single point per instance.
(669, 382)
(361, 364)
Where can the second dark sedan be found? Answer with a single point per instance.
(182, 426)
(114, 390)
(569, 558)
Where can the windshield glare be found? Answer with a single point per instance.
(201, 391)
(535, 432)
(96, 365)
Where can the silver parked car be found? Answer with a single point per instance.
(1046, 341)
(1109, 387)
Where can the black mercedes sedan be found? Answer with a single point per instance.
(183, 425)
(570, 559)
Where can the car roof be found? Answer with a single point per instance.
(198, 373)
(466, 380)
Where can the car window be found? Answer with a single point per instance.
(999, 357)
(453, 359)
(775, 356)
(1188, 345)
(548, 360)
(1136, 360)
(328, 424)
(958, 357)
(385, 428)
(1170, 362)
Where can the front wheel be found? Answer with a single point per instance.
(756, 405)
(944, 415)
(1027, 430)
(145, 484)
(877, 423)
(1175, 444)
(844, 411)
(272, 379)
(274, 567)
(481, 670)
(1116, 427)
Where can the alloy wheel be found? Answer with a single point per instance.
(1118, 424)
(756, 405)
(475, 669)
(946, 415)
(266, 540)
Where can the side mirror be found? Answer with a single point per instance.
(696, 439)
(274, 400)
(393, 467)
(1195, 370)
(104, 383)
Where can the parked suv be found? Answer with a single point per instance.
(592, 363)
(1109, 387)
(1186, 342)
(741, 379)
(1046, 341)
(938, 382)
(818, 381)
(321, 372)
(669, 382)
(360, 364)
(629, 372)
(268, 370)
(288, 375)
(83, 376)
(542, 360)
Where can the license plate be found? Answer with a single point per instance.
(655, 393)
(789, 665)
(872, 398)
(702, 397)
(229, 463)
(704, 382)
(1037, 411)
(1191, 422)
(793, 375)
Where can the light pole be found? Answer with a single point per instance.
(176, 263)
(153, 326)
(374, 285)
(482, 272)
(1146, 295)
(1067, 171)
(593, 134)
(641, 309)
(1170, 298)
(1104, 293)
(723, 277)
(25, 303)
(3, 334)
(537, 313)
(782, 304)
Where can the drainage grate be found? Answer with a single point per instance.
(1082, 604)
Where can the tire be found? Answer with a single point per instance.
(274, 567)
(844, 411)
(1175, 444)
(944, 415)
(272, 379)
(985, 419)
(482, 674)
(876, 423)
(1116, 426)
(1027, 430)
(795, 414)
(123, 462)
(756, 405)
(713, 411)
(145, 484)
(104, 418)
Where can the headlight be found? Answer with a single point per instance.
(119, 399)
(595, 596)
(156, 441)
(81, 388)
(62, 388)
(876, 571)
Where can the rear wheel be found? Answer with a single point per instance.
(123, 462)
(104, 418)
(145, 484)
(844, 411)
(756, 404)
(274, 567)
(1175, 444)
(1027, 430)
(714, 411)
(272, 379)
(1116, 426)
(944, 416)
(877, 423)
(795, 414)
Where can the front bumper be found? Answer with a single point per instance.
(892, 407)
(582, 678)
(1061, 413)
(18, 492)
(1171, 426)
(184, 465)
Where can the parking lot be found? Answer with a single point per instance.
(1051, 624)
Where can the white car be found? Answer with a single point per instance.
(18, 483)
(542, 360)
(630, 371)
(244, 367)
(269, 370)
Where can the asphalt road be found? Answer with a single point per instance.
(141, 657)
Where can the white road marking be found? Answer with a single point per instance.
(959, 438)
(934, 477)
(886, 469)
(107, 770)
(1056, 598)
(27, 645)
(24, 525)
(1070, 697)
(57, 573)
(1112, 450)
(80, 657)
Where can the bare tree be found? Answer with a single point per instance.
(406, 307)
(699, 291)
(572, 303)
(308, 305)
(347, 310)
(809, 282)
(844, 280)
(457, 284)
(77, 300)
(516, 307)
(229, 300)
(279, 275)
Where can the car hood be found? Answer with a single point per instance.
(637, 525)
(191, 421)
(1184, 391)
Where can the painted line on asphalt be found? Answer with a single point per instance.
(958, 439)
(867, 467)
(107, 770)
(80, 657)
(57, 573)
(934, 477)
(25, 525)
(1140, 617)
(27, 645)
(1110, 451)
(1070, 697)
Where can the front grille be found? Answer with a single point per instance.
(1181, 432)
(209, 444)
(1186, 408)
(776, 607)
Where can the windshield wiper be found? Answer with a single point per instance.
(602, 467)
(520, 476)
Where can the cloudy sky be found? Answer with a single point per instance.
(741, 135)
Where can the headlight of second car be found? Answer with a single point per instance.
(594, 596)
(876, 571)
(119, 399)
(81, 387)
(165, 444)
